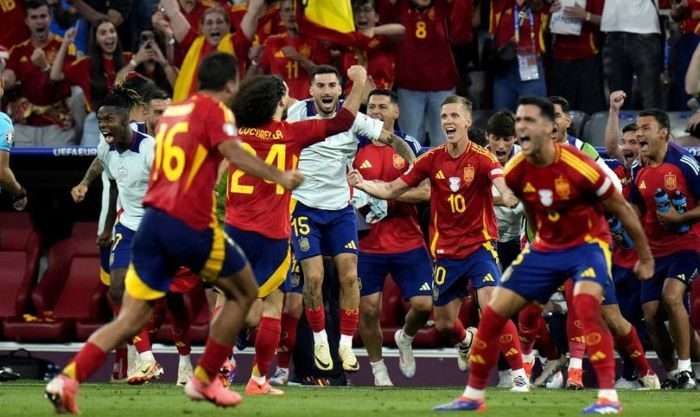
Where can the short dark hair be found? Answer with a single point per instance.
(325, 69)
(358, 3)
(458, 100)
(477, 135)
(546, 107)
(138, 83)
(630, 127)
(35, 4)
(216, 70)
(122, 98)
(501, 124)
(660, 116)
(257, 99)
(562, 102)
(383, 92)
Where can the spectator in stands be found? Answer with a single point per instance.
(517, 27)
(687, 14)
(151, 63)
(633, 46)
(623, 146)
(38, 108)
(13, 30)
(577, 69)
(426, 73)
(115, 11)
(270, 21)
(215, 36)
(95, 74)
(291, 55)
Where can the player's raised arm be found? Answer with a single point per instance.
(358, 75)
(612, 128)
(618, 206)
(380, 189)
(79, 191)
(232, 150)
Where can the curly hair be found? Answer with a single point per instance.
(123, 98)
(257, 99)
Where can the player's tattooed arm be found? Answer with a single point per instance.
(399, 145)
(620, 208)
(380, 189)
(416, 195)
(79, 191)
(105, 238)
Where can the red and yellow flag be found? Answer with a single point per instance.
(329, 20)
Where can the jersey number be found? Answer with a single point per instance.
(170, 158)
(277, 156)
(292, 70)
(439, 275)
(7, 5)
(457, 203)
(301, 226)
(421, 30)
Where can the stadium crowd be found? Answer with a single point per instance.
(517, 206)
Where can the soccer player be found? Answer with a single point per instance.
(178, 229)
(669, 173)
(461, 174)
(257, 213)
(394, 245)
(7, 177)
(323, 221)
(565, 194)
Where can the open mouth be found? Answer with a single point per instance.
(450, 130)
(501, 154)
(362, 24)
(215, 35)
(109, 138)
(524, 140)
(643, 146)
(627, 154)
(328, 101)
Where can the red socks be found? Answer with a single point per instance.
(483, 354)
(528, 326)
(142, 341)
(288, 340)
(574, 327)
(85, 363)
(631, 344)
(214, 356)
(349, 320)
(599, 343)
(266, 341)
(509, 344)
(316, 318)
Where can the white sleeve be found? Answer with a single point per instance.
(297, 111)
(147, 147)
(103, 156)
(611, 174)
(367, 126)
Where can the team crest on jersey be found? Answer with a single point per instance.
(468, 174)
(304, 244)
(670, 181)
(454, 184)
(546, 197)
(398, 161)
(562, 188)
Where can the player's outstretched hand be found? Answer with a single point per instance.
(644, 269)
(78, 192)
(355, 178)
(510, 200)
(357, 74)
(291, 179)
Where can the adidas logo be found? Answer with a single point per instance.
(489, 278)
(528, 188)
(439, 175)
(425, 287)
(512, 352)
(643, 185)
(366, 165)
(351, 245)
(477, 359)
(598, 356)
(588, 273)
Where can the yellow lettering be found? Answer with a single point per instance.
(439, 275)
(421, 30)
(277, 156)
(301, 226)
(7, 5)
(457, 203)
(170, 158)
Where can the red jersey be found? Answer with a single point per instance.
(274, 61)
(461, 205)
(14, 30)
(691, 25)
(268, 24)
(378, 54)
(530, 31)
(563, 198)
(256, 205)
(36, 86)
(623, 257)
(583, 46)
(79, 73)
(678, 172)
(187, 159)
(424, 60)
(399, 231)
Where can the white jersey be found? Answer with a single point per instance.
(509, 219)
(130, 170)
(324, 164)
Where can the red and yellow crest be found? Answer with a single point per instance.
(670, 181)
(398, 161)
(468, 174)
(562, 188)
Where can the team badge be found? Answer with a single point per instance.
(398, 161)
(304, 244)
(546, 197)
(468, 174)
(562, 188)
(670, 181)
(454, 184)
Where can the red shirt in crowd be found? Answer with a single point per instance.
(424, 60)
(623, 257)
(691, 25)
(79, 73)
(274, 61)
(398, 232)
(268, 24)
(502, 26)
(14, 30)
(583, 46)
(377, 54)
(564, 198)
(186, 168)
(461, 205)
(36, 86)
(256, 205)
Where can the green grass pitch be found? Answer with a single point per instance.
(161, 400)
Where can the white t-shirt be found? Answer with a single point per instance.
(632, 16)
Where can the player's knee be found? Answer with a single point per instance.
(422, 304)
(673, 301)
(369, 312)
(349, 280)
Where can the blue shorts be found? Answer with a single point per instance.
(536, 275)
(411, 271)
(451, 277)
(269, 258)
(294, 284)
(121, 248)
(323, 232)
(163, 244)
(104, 265)
(627, 288)
(683, 266)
